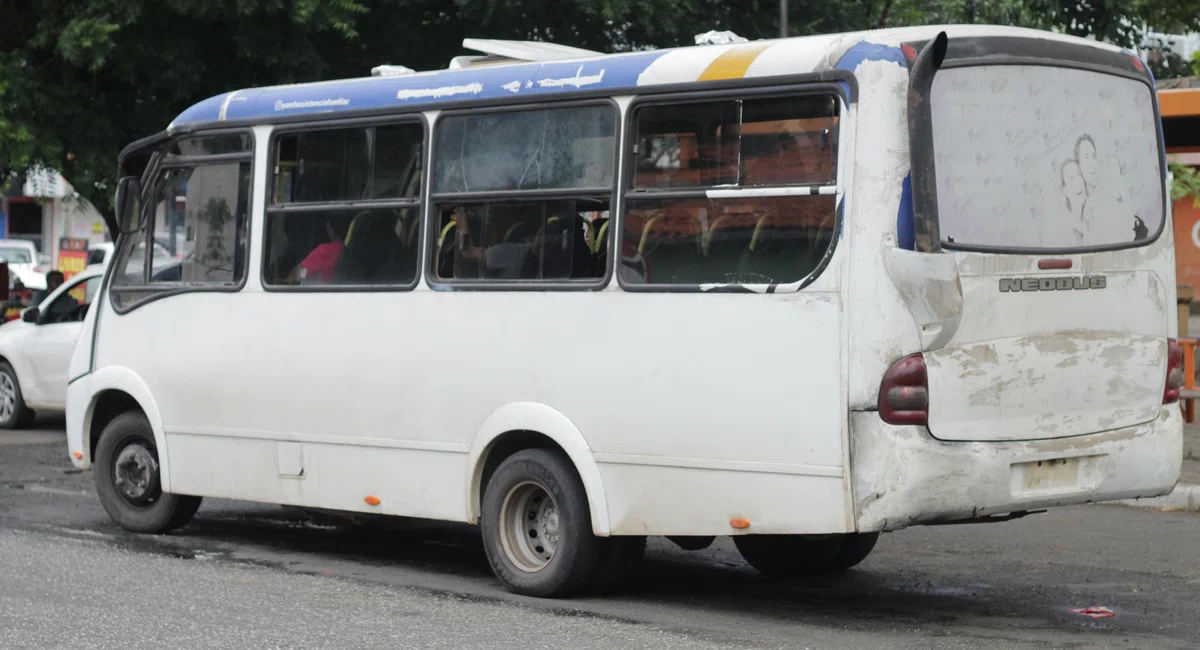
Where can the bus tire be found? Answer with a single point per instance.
(789, 556)
(127, 479)
(619, 561)
(13, 412)
(855, 548)
(537, 527)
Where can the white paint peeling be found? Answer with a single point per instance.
(902, 477)
(881, 328)
(225, 106)
(715, 286)
(577, 81)
(930, 287)
(440, 92)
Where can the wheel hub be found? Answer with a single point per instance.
(136, 474)
(529, 526)
(8, 396)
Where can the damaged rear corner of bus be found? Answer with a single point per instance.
(1022, 352)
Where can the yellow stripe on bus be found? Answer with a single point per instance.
(734, 62)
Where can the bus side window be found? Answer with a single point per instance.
(687, 238)
(518, 208)
(199, 210)
(346, 206)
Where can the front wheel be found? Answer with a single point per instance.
(13, 412)
(537, 527)
(128, 483)
(790, 556)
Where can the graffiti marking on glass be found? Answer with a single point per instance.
(1041, 157)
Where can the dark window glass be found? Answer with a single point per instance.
(358, 164)
(346, 246)
(199, 229)
(72, 306)
(751, 142)
(131, 261)
(213, 145)
(557, 148)
(746, 241)
(560, 239)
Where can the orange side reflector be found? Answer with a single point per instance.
(78, 455)
(740, 524)
(372, 501)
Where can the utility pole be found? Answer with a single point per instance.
(783, 26)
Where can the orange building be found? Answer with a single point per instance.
(1179, 103)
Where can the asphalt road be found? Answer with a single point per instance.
(259, 576)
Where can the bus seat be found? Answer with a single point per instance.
(599, 242)
(511, 229)
(554, 246)
(708, 235)
(445, 253)
(369, 244)
(598, 250)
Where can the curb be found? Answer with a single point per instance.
(1184, 497)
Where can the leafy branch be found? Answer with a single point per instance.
(1186, 183)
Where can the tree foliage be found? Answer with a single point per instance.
(79, 79)
(1186, 183)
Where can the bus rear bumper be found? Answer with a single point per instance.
(902, 476)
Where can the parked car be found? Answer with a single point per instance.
(99, 255)
(24, 263)
(35, 350)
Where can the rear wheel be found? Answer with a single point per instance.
(855, 548)
(537, 527)
(128, 482)
(790, 556)
(619, 560)
(13, 412)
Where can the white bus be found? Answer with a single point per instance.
(796, 291)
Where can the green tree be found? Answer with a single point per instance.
(1186, 183)
(79, 79)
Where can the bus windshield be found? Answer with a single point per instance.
(1044, 158)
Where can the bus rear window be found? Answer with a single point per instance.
(1044, 158)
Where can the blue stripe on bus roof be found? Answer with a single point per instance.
(864, 51)
(376, 93)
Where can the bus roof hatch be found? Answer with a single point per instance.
(498, 52)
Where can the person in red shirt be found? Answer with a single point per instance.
(318, 267)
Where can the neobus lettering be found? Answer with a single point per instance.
(1053, 284)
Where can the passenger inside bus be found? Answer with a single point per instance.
(561, 239)
(318, 266)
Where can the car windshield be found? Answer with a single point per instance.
(15, 255)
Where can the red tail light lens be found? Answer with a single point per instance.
(1174, 372)
(904, 393)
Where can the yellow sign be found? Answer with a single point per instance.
(98, 228)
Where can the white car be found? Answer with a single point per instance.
(24, 263)
(101, 254)
(35, 350)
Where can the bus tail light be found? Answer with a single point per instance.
(904, 393)
(1174, 372)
